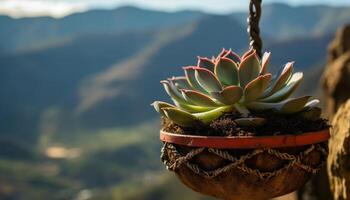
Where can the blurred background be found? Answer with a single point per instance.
(77, 78)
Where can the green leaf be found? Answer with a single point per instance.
(192, 108)
(287, 90)
(249, 69)
(158, 105)
(179, 117)
(198, 98)
(255, 89)
(312, 103)
(207, 80)
(226, 71)
(205, 63)
(265, 62)
(233, 56)
(191, 78)
(172, 91)
(283, 77)
(294, 105)
(288, 106)
(181, 82)
(209, 116)
(248, 53)
(223, 53)
(229, 95)
(242, 109)
(263, 105)
(250, 122)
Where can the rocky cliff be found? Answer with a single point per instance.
(336, 82)
(339, 154)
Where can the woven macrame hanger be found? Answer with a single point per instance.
(253, 26)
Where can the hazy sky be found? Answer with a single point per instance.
(59, 8)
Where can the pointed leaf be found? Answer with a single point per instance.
(248, 53)
(255, 89)
(250, 122)
(249, 69)
(312, 103)
(263, 106)
(158, 105)
(198, 98)
(172, 91)
(288, 106)
(233, 56)
(223, 53)
(227, 71)
(191, 78)
(283, 77)
(287, 90)
(209, 116)
(181, 82)
(207, 80)
(192, 108)
(229, 95)
(265, 62)
(180, 117)
(206, 63)
(294, 105)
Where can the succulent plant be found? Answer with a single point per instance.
(229, 83)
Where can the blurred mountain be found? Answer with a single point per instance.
(34, 81)
(282, 21)
(104, 80)
(98, 80)
(40, 32)
(279, 21)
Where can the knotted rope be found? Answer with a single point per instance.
(173, 160)
(253, 26)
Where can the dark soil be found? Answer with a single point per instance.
(276, 124)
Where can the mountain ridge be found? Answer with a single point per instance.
(277, 22)
(75, 73)
(45, 29)
(283, 21)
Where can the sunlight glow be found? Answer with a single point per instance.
(32, 8)
(61, 8)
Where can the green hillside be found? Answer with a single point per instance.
(41, 32)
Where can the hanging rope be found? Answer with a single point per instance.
(253, 25)
(174, 159)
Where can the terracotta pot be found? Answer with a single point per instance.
(249, 168)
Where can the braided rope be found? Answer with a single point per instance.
(238, 163)
(253, 26)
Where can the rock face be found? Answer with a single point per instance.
(339, 154)
(336, 86)
(336, 82)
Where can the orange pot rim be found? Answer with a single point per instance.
(246, 142)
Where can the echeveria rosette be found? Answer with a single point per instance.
(230, 83)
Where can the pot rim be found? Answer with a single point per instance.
(246, 142)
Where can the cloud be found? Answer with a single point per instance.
(60, 8)
(216, 6)
(25, 8)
